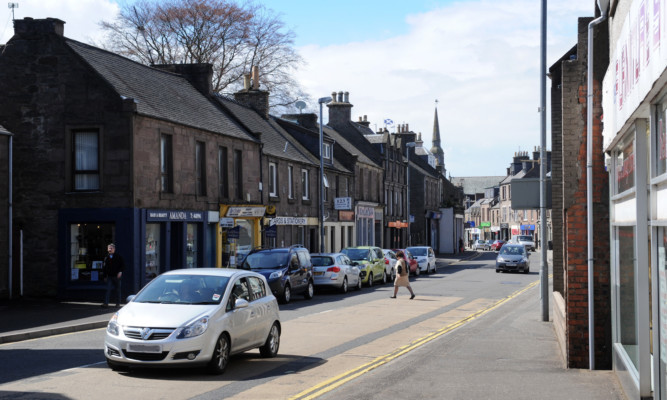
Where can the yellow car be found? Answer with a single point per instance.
(370, 261)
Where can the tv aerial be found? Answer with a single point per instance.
(300, 105)
(13, 6)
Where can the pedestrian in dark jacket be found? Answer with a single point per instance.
(113, 271)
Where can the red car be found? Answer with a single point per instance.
(497, 244)
(414, 265)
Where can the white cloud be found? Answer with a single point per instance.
(480, 59)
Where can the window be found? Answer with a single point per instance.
(153, 240)
(223, 173)
(625, 248)
(325, 190)
(660, 143)
(86, 160)
(305, 186)
(625, 166)
(166, 164)
(88, 247)
(257, 288)
(290, 182)
(200, 168)
(192, 244)
(326, 151)
(238, 174)
(273, 180)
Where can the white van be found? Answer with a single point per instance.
(525, 240)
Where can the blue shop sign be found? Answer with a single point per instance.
(527, 227)
(175, 215)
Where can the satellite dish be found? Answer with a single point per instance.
(300, 105)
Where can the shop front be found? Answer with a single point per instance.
(240, 231)
(290, 230)
(365, 222)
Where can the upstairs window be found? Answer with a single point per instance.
(166, 164)
(200, 168)
(273, 180)
(238, 174)
(290, 182)
(86, 160)
(305, 185)
(326, 151)
(223, 173)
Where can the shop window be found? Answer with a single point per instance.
(86, 160)
(660, 142)
(88, 247)
(153, 240)
(192, 246)
(662, 271)
(625, 167)
(625, 238)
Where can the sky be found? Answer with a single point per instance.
(480, 59)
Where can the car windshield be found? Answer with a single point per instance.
(418, 251)
(266, 260)
(356, 254)
(321, 261)
(184, 289)
(513, 250)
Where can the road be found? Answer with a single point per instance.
(334, 346)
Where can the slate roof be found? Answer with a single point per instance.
(353, 138)
(476, 184)
(273, 137)
(290, 126)
(159, 94)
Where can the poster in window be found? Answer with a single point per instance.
(75, 274)
(97, 264)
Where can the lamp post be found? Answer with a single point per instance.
(9, 201)
(322, 101)
(407, 150)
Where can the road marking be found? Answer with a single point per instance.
(337, 381)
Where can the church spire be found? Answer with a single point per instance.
(437, 149)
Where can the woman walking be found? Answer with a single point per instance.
(402, 275)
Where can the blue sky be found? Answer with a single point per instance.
(478, 58)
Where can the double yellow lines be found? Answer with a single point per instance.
(337, 381)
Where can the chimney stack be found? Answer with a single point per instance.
(252, 97)
(34, 28)
(340, 109)
(199, 75)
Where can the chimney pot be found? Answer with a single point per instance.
(340, 97)
(333, 96)
(255, 77)
(246, 81)
(346, 97)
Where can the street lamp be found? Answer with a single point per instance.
(322, 101)
(9, 200)
(407, 150)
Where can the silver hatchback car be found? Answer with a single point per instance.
(194, 317)
(513, 257)
(335, 270)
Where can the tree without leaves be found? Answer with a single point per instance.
(230, 36)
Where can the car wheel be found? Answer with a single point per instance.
(343, 287)
(220, 357)
(287, 294)
(417, 271)
(359, 283)
(370, 280)
(270, 347)
(384, 277)
(310, 291)
(527, 270)
(497, 271)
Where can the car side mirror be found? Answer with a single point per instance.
(356, 264)
(240, 303)
(130, 298)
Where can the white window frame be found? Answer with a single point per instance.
(273, 179)
(326, 151)
(290, 182)
(305, 185)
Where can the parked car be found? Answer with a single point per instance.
(513, 257)
(488, 245)
(194, 317)
(371, 263)
(425, 257)
(526, 240)
(478, 245)
(335, 270)
(412, 262)
(289, 270)
(497, 244)
(389, 262)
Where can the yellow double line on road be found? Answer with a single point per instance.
(335, 382)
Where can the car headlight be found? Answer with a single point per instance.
(500, 259)
(276, 275)
(194, 328)
(112, 327)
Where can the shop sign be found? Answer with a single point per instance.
(515, 230)
(343, 203)
(379, 214)
(527, 227)
(233, 233)
(288, 221)
(485, 225)
(504, 225)
(397, 224)
(346, 215)
(495, 229)
(365, 212)
(245, 212)
(226, 222)
(471, 223)
(271, 231)
(168, 215)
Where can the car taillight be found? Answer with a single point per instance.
(333, 269)
(386, 261)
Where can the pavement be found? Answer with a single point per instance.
(31, 318)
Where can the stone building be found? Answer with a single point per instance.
(109, 150)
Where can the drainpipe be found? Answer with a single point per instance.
(10, 136)
(589, 188)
